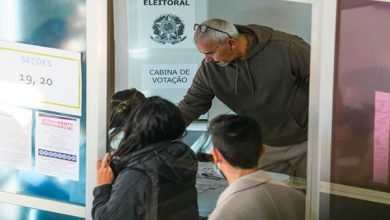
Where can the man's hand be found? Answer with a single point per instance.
(104, 172)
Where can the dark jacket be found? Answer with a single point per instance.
(271, 86)
(158, 182)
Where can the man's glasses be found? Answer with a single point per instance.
(203, 28)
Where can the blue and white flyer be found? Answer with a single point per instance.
(57, 141)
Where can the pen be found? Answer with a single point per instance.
(206, 175)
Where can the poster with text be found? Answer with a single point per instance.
(15, 138)
(165, 23)
(41, 78)
(57, 141)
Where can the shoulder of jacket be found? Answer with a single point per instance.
(133, 172)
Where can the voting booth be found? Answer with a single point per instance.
(53, 92)
(156, 54)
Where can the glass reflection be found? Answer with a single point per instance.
(57, 24)
(9, 11)
(17, 212)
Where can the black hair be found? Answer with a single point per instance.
(119, 109)
(238, 139)
(153, 120)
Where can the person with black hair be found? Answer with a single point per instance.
(152, 175)
(119, 109)
(251, 194)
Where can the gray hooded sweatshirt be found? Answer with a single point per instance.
(271, 86)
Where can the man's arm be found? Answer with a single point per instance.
(198, 99)
(300, 58)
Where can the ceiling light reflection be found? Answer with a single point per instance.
(19, 94)
(139, 53)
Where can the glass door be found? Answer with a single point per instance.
(350, 112)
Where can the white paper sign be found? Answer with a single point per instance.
(381, 138)
(165, 23)
(40, 77)
(168, 76)
(15, 137)
(57, 141)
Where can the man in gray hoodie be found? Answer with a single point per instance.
(261, 73)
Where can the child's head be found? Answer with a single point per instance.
(121, 104)
(119, 109)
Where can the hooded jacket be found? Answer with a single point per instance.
(157, 182)
(271, 86)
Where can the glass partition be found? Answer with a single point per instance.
(155, 52)
(155, 66)
(361, 113)
(354, 167)
(17, 212)
(42, 105)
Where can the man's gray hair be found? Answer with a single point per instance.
(214, 35)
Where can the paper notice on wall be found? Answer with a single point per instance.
(40, 77)
(168, 76)
(165, 23)
(381, 137)
(57, 141)
(15, 138)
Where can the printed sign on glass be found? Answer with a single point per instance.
(165, 23)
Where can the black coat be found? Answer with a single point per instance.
(158, 182)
